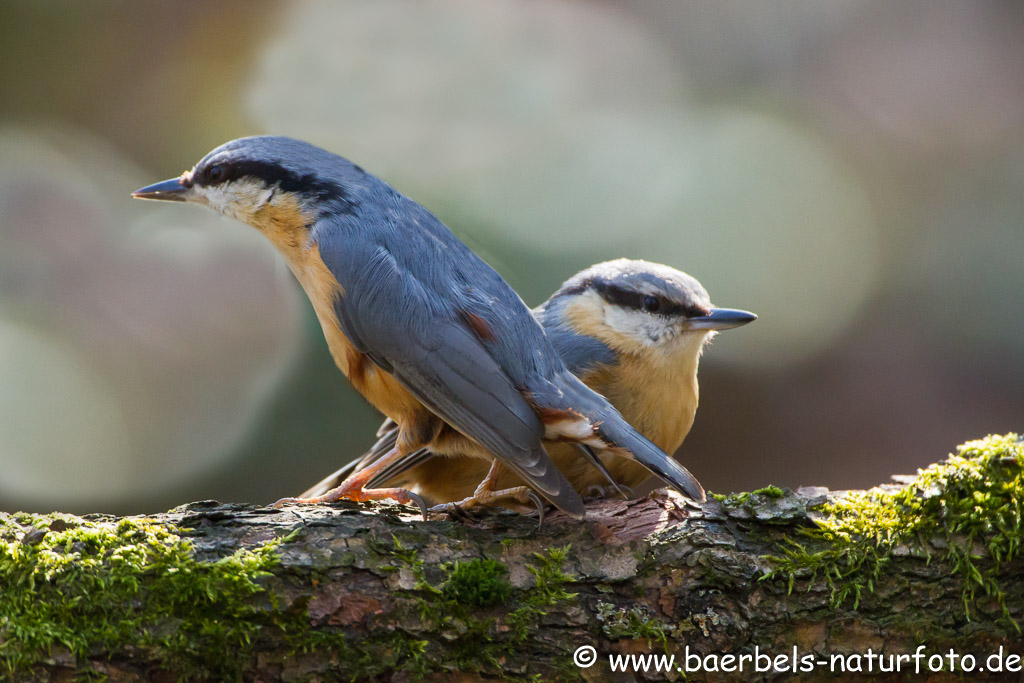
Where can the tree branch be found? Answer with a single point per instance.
(212, 592)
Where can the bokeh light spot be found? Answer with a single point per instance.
(62, 431)
(160, 332)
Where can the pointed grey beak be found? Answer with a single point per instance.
(721, 319)
(168, 190)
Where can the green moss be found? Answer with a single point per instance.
(548, 590)
(411, 559)
(131, 584)
(973, 501)
(479, 582)
(73, 587)
(741, 499)
(465, 609)
(769, 492)
(634, 622)
(136, 585)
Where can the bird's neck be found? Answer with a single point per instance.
(283, 221)
(322, 289)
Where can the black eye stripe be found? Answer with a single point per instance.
(627, 298)
(630, 299)
(619, 296)
(274, 174)
(226, 171)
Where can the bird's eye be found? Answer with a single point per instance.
(215, 174)
(651, 304)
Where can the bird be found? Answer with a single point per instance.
(631, 330)
(421, 326)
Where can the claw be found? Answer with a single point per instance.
(595, 460)
(453, 510)
(418, 499)
(448, 508)
(285, 501)
(486, 496)
(535, 499)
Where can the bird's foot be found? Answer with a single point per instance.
(515, 498)
(360, 495)
(520, 499)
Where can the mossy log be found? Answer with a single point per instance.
(210, 591)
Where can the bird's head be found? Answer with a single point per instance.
(275, 184)
(638, 307)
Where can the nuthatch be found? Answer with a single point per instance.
(431, 335)
(632, 331)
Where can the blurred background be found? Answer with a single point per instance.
(851, 171)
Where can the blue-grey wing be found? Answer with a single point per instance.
(580, 353)
(418, 335)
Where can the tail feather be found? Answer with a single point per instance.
(564, 497)
(619, 434)
(577, 409)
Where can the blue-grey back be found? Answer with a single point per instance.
(579, 352)
(365, 226)
(443, 276)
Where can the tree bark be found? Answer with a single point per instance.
(357, 592)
